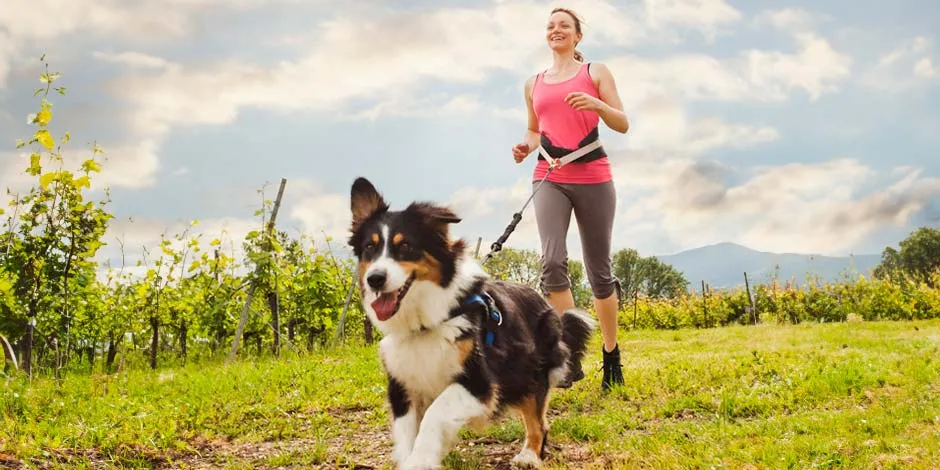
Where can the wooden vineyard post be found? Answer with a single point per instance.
(750, 300)
(705, 303)
(635, 303)
(8, 353)
(251, 290)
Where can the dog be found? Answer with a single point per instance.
(458, 347)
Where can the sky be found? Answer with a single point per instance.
(784, 126)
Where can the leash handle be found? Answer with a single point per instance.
(498, 244)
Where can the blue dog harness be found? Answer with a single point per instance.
(492, 318)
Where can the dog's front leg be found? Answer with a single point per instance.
(404, 420)
(452, 409)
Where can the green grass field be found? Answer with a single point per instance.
(849, 395)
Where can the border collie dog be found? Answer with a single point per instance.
(458, 347)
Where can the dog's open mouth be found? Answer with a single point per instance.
(387, 303)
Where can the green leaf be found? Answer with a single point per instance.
(34, 164)
(45, 138)
(89, 166)
(48, 178)
(44, 117)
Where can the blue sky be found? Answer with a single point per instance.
(784, 126)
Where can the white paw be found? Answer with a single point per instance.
(526, 459)
(420, 462)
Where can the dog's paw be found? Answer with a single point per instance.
(526, 459)
(417, 461)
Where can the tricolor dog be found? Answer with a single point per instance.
(458, 347)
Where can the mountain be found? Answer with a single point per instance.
(723, 266)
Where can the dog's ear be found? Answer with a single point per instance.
(364, 201)
(440, 217)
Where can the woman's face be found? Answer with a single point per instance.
(561, 32)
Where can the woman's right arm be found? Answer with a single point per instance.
(532, 138)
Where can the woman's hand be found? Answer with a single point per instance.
(521, 151)
(582, 101)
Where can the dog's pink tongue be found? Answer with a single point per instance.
(384, 306)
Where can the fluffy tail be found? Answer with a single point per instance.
(577, 327)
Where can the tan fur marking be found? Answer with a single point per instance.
(375, 238)
(464, 348)
(397, 238)
(534, 420)
(426, 269)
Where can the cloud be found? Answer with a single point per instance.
(664, 126)
(907, 66)
(792, 20)
(705, 16)
(28, 22)
(131, 59)
(797, 207)
(438, 105)
(924, 68)
(754, 75)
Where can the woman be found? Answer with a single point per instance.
(566, 103)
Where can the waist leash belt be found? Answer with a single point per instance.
(568, 158)
(553, 163)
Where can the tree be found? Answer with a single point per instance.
(525, 266)
(918, 257)
(647, 275)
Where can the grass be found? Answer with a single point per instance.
(847, 395)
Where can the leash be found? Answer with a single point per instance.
(552, 165)
(497, 245)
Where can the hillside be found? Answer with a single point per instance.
(724, 264)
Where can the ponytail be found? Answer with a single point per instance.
(578, 56)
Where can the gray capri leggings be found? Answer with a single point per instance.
(593, 206)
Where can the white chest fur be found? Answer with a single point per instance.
(425, 363)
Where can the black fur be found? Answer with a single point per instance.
(397, 397)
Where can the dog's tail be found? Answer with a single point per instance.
(577, 327)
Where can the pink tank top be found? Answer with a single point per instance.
(566, 127)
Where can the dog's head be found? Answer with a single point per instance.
(398, 249)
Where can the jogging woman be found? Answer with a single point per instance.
(565, 104)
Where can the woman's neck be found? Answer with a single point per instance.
(563, 62)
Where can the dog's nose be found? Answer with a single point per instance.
(376, 280)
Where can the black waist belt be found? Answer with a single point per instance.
(589, 149)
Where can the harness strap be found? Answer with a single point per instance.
(492, 318)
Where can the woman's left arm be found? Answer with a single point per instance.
(608, 107)
(611, 108)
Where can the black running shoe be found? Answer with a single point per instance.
(613, 372)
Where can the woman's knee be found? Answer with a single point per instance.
(555, 274)
(603, 283)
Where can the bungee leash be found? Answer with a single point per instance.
(553, 164)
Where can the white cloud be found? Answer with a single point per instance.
(790, 207)
(664, 126)
(792, 20)
(131, 59)
(754, 75)
(924, 68)
(705, 16)
(905, 67)
(29, 22)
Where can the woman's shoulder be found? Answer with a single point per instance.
(599, 72)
